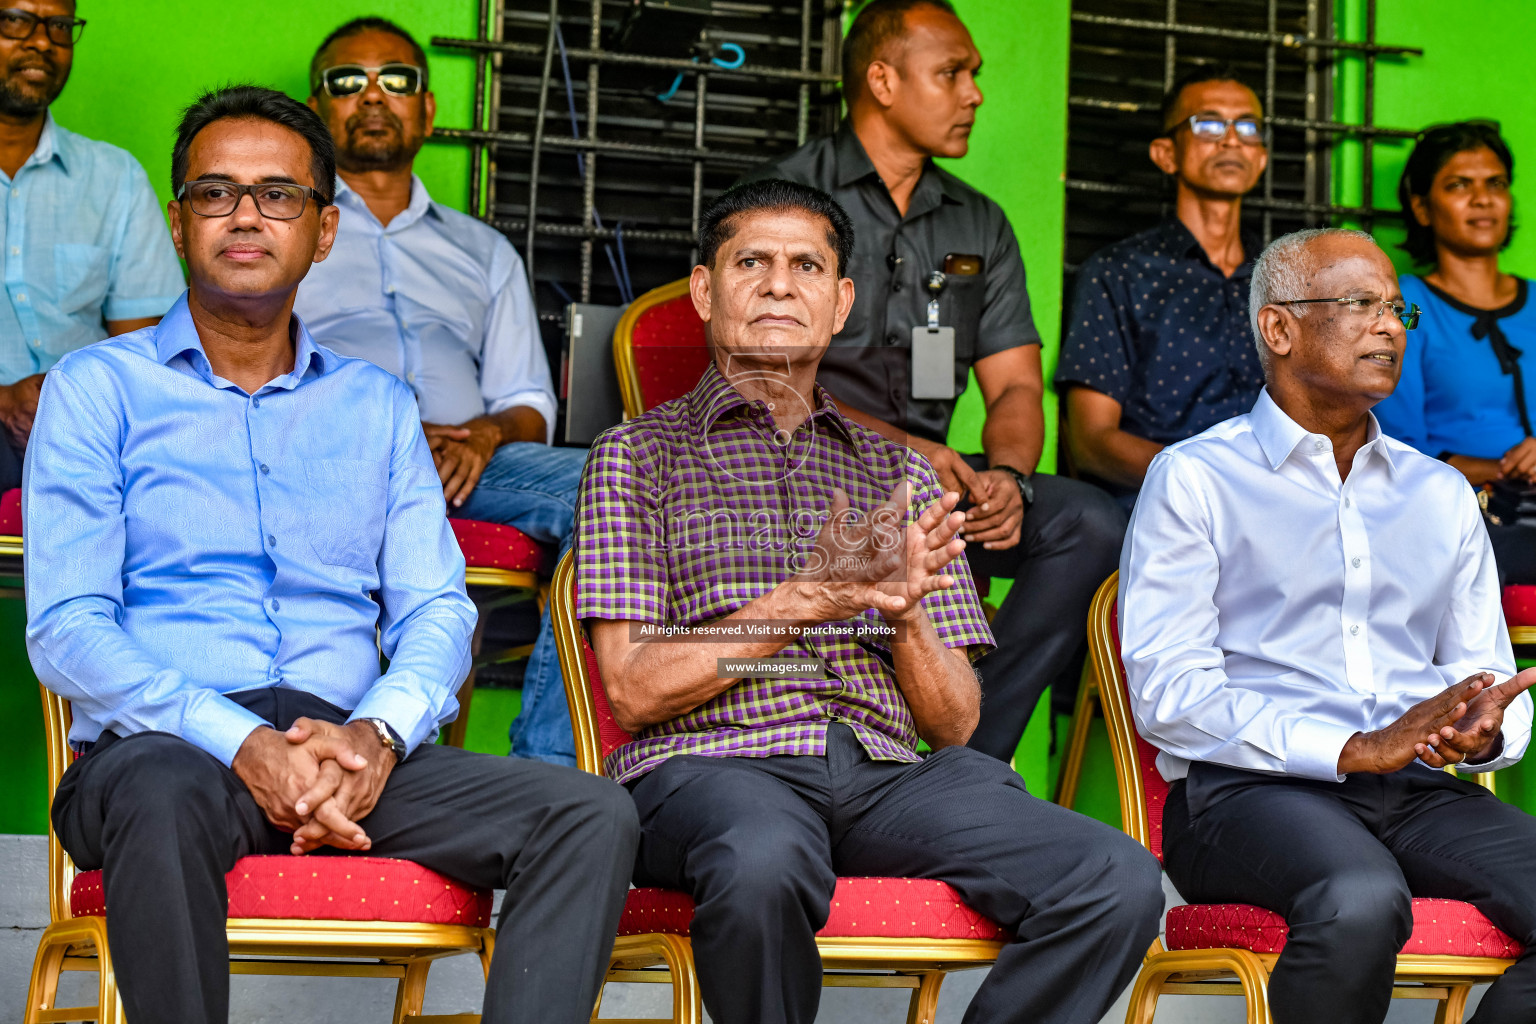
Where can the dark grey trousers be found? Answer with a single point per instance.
(759, 844)
(165, 821)
(1341, 862)
(1069, 543)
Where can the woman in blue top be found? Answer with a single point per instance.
(1468, 387)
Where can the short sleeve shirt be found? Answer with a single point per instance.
(699, 506)
(82, 241)
(1159, 329)
(869, 363)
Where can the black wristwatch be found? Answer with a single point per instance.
(1026, 485)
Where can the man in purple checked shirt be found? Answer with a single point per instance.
(779, 615)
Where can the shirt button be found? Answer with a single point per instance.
(275, 605)
(896, 286)
(256, 403)
(21, 296)
(36, 342)
(264, 469)
(1320, 445)
(891, 339)
(15, 250)
(271, 541)
(1355, 562)
(1353, 630)
(410, 378)
(1346, 503)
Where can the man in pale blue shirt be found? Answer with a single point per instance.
(442, 301)
(223, 516)
(1311, 628)
(83, 246)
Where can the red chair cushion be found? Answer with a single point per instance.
(1440, 928)
(1154, 790)
(862, 908)
(493, 546)
(328, 888)
(10, 514)
(1519, 602)
(670, 350)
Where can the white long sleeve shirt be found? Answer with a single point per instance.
(1268, 611)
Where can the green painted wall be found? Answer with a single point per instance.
(128, 88)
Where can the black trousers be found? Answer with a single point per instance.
(1069, 543)
(1341, 862)
(759, 844)
(10, 465)
(165, 821)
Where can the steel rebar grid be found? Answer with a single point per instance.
(589, 165)
(803, 120)
(1339, 127)
(1280, 205)
(593, 53)
(1367, 172)
(1286, 39)
(538, 134)
(1271, 23)
(678, 154)
(477, 113)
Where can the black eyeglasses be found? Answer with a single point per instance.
(351, 79)
(1407, 315)
(274, 200)
(19, 24)
(1250, 130)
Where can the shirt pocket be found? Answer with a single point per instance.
(346, 511)
(79, 277)
(960, 307)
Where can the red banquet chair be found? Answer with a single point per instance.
(502, 565)
(894, 932)
(1519, 614)
(1230, 948)
(342, 917)
(659, 348)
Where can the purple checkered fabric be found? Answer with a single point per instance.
(697, 507)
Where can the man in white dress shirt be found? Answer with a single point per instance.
(1311, 626)
(441, 301)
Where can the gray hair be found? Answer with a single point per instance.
(1281, 271)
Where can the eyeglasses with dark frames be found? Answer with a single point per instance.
(62, 30)
(397, 79)
(1407, 315)
(274, 200)
(1250, 130)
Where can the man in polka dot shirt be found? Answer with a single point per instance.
(1158, 347)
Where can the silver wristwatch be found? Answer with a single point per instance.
(387, 736)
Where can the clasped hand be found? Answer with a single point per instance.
(312, 780)
(1461, 723)
(860, 562)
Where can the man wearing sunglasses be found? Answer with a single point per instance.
(84, 252)
(1158, 346)
(442, 301)
(236, 522)
(1311, 626)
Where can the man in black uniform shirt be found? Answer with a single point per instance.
(909, 82)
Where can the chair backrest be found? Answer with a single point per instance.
(61, 870)
(1143, 792)
(592, 721)
(659, 348)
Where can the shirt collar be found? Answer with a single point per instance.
(176, 335)
(421, 204)
(1279, 435)
(853, 164)
(49, 145)
(1175, 234)
(714, 397)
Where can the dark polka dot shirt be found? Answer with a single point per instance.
(1159, 329)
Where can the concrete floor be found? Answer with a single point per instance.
(455, 985)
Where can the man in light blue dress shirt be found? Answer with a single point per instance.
(1311, 628)
(83, 246)
(442, 301)
(224, 518)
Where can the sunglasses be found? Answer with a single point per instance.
(351, 79)
(62, 30)
(1250, 130)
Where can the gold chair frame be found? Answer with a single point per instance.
(624, 343)
(1446, 979)
(380, 949)
(499, 579)
(848, 962)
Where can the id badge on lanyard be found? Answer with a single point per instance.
(933, 350)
